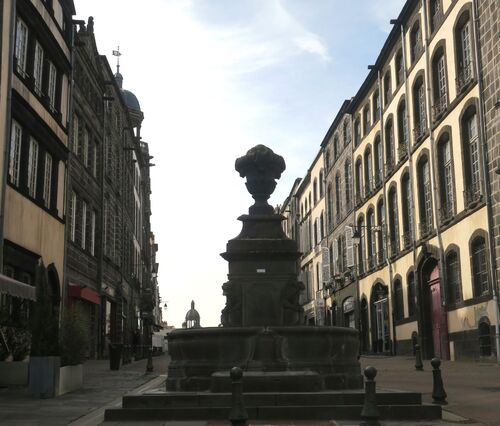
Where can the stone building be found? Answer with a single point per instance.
(424, 172)
(34, 125)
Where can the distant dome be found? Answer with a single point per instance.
(131, 100)
(192, 317)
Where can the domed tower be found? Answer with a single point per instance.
(192, 317)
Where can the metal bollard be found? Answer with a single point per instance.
(370, 413)
(238, 414)
(438, 392)
(418, 358)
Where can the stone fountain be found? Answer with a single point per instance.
(262, 323)
(291, 371)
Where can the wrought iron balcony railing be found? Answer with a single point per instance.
(464, 76)
(473, 195)
(439, 107)
(446, 212)
(425, 227)
(402, 151)
(394, 246)
(407, 239)
(420, 130)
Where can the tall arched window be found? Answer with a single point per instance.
(368, 171)
(411, 294)
(402, 131)
(315, 191)
(359, 180)
(454, 291)
(327, 159)
(393, 222)
(387, 87)
(435, 14)
(346, 132)
(406, 210)
(381, 235)
(419, 108)
(329, 202)
(446, 181)
(470, 148)
(379, 162)
(370, 236)
(399, 67)
(348, 185)
(322, 232)
(376, 106)
(398, 301)
(357, 132)
(366, 119)
(338, 198)
(415, 42)
(424, 197)
(361, 246)
(321, 184)
(439, 83)
(463, 51)
(479, 267)
(389, 146)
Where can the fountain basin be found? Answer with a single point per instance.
(202, 357)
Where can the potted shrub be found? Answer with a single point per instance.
(44, 357)
(73, 343)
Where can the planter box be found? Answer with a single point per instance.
(44, 376)
(14, 373)
(70, 378)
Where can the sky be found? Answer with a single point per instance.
(215, 78)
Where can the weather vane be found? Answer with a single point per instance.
(117, 53)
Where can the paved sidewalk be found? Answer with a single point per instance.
(101, 387)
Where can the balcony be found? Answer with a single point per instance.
(446, 212)
(394, 246)
(425, 227)
(420, 130)
(407, 239)
(402, 151)
(473, 195)
(439, 107)
(464, 76)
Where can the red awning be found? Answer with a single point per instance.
(84, 293)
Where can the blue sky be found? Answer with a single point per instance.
(214, 78)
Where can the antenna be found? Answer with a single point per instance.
(117, 53)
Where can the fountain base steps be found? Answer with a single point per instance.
(336, 405)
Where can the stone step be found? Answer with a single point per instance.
(295, 412)
(261, 399)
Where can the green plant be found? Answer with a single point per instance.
(74, 337)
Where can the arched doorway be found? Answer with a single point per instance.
(379, 307)
(484, 337)
(364, 326)
(435, 339)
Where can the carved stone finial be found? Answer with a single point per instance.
(261, 167)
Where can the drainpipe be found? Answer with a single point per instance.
(437, 201)
(493, 272)
(8, 121)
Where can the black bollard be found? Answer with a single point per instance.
(418, 358)
(370, 413)
(438, 392)
(149, 365)
(238, 414)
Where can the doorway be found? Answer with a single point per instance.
(381, 338)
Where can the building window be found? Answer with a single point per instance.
(370, 225)
(47, 182)
(38, 68)
(327, 159)
(393, 222)
(359, 177)
(435, 14)
(338, 198)
(85, 147)
(376, 106)
(387, 87)
(379, 163)
(94, 159)
(415, 41)
(366, 119)
(76, 129)
(419, 108)
(402, 131)
(84, 224)
(463, 45)
(381, 235)
(15, 152)
(470, 145)
(315, 191)
(411, 295)
(348, 185)
(479, 267)
(368, 172)
(399, 67)
(361, 246)
(346, 132)
(336, 149)
(32, 167)
(398, 301)
(439, 80)
(424, 197)
(446, 178)
(72, 216)
(357, 132)
(51, 89)
(389, 146)
(407, 211)
(92, 232)
(21, 46)
(453, 278)
(329, 208)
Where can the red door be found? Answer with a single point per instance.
(439, 318)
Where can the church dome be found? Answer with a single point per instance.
(131, 100)
(192, 317)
